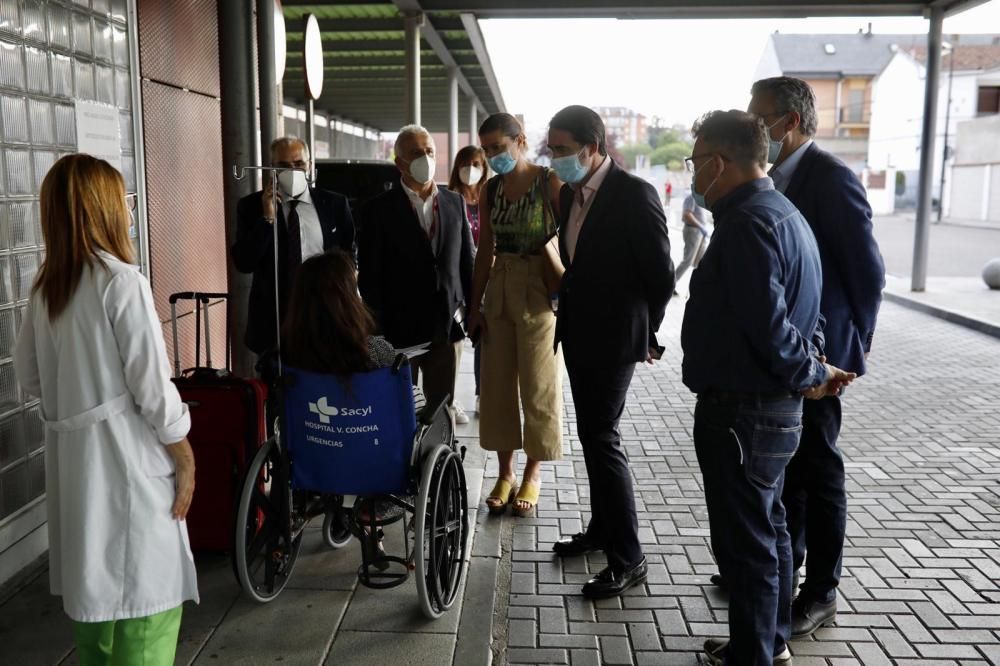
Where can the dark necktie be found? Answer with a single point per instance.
(294, 248)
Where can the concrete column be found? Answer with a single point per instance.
(239, 147)
(412, 23)
(270, 103)
(918, 280)
(473, 122)
(452, 117)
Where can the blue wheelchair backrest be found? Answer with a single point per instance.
(353, 437)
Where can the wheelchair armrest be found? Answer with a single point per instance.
(427, 416)
(401, 360)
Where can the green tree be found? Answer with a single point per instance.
(671, 154)
(632, 150)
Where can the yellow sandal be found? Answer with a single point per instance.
(503, 490)
(529, 495)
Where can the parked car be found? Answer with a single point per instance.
(358, 180)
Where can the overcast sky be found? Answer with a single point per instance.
(676, 69)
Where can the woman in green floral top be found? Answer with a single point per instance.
(517, 270)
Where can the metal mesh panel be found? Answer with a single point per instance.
(187, 235)
(179, 44)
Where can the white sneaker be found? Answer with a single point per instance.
(461, 418)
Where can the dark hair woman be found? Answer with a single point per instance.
(468, 178)
(517, 266)
(328, 328)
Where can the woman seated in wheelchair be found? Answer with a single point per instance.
(329, 330)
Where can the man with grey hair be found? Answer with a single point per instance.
(833, 201)
(309, 221)
(752, 340)
(415, 256)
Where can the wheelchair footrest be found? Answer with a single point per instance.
(396, 573)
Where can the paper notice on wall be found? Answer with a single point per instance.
(98, 132)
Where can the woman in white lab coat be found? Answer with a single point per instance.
(119, 472)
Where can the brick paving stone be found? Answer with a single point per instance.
(537, 656)
(585, 658)
(616, 650)
(644, 636)
(921, 581)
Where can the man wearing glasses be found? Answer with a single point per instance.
(752, 340)
(833, 202)
(310, 221)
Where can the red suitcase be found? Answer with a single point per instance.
(227, 428)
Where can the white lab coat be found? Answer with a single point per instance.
(101, 370)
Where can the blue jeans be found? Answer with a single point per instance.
(743, 444)
(815, 498)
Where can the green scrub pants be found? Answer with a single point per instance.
(141, 641)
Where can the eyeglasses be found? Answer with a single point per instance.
(297, 164)
(131, 201)
(689, 161)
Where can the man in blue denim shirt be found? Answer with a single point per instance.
(752, 339)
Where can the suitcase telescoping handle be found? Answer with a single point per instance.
(199, 298)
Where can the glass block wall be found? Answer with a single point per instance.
(52, 53)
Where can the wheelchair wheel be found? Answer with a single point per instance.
(336, 528)
(441, 530)
(264, 556)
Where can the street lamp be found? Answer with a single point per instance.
(950, 50)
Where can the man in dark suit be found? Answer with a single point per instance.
(309, 221)
(415, 257)
(833, 201)
(618, 280)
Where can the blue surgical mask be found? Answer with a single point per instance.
(774, 147)
(570, 169)
(503, 163)
(699, 197)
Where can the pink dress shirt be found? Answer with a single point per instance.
(583, 199)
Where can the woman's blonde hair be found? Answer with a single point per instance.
(83, 211)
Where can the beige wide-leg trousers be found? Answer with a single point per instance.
(518, 364)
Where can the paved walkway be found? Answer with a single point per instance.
(922, 563)
(921, 569)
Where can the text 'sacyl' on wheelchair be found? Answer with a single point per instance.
(359, 437)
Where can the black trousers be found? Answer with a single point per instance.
(815, 499)
(599, 391)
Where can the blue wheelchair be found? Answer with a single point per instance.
(358, 438)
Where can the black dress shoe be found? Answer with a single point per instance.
(611, 583)
(578, 544)
(715, 653)
(809, 615)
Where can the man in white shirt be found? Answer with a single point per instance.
(309, 221)
(415, 256)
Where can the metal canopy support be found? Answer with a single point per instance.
(452, 117)
(413, 22)
(473, 123)
(311, 129)
(471, 24)
(921, 233)
(441, 50)
(239, 147)
(267, 73)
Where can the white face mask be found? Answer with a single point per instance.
(293, 183)
(422, 169)
(470, 175)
